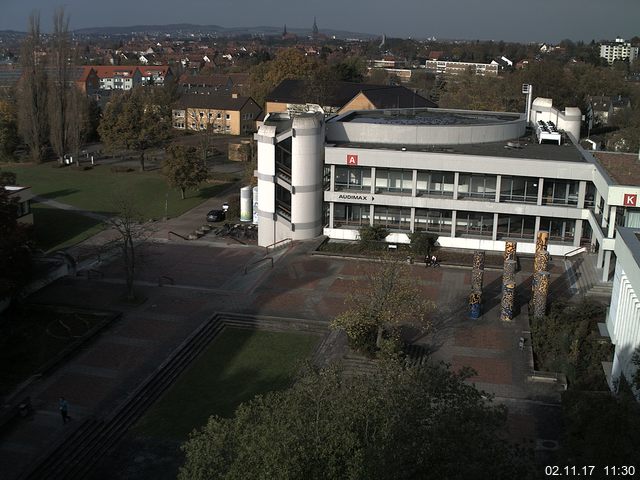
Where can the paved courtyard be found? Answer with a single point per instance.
(209, 277)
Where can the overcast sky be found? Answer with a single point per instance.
(509, 20)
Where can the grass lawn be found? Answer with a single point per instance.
(94, 189)
(238, 365)
(31, 339)
(56, 229)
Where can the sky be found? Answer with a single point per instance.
(508, 20)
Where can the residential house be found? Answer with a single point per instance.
(298, 96)
(228, 114)
(118, 77)
(600, 109)
(155, 75)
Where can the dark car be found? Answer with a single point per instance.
(216, 216)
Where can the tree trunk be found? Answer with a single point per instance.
(142, 161)
(379, 337)
(182, 192)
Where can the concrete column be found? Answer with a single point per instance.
(596, 202)
(332, 180)
(371, 209)
(600, 258)
(577, 233)
(494, 235)
(612, 222)
(414, 186)
(331, 213)
(454, 214)
(498, 186)
(412, 226)
(607, 265)
(605, 215)
(540, 189)
(456, 181)
(373, 183)
(536, 229)
(582, 193)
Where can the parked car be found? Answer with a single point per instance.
(216, 216)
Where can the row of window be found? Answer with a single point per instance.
(440, 183)
(474, 224)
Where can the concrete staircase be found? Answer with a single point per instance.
(585, 278)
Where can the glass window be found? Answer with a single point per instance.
(353, 178)
(394, 181)
(516, 226)
(395, 218)
(348, 214)
(433, 220)
(435, 183)
(560, 192)
(474, 224)
(560, 229)
(477, 186)
(519, 189)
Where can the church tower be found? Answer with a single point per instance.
(314, 29)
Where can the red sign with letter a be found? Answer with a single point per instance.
(630, 199)
(352, 160)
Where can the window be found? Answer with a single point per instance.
(560, 229)
(433, 220)
(516, 226)
(478, 224)
(435, 183)
(228, 116)
(347, 214)
(560, 192)
(218, 115)
(395, 218)
(353, 178)
(283, 202)
(477, 186)
(394, 181)
(519, 189)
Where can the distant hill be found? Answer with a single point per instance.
(192, 29)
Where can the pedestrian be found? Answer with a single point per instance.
(63, 406)
(434, 261)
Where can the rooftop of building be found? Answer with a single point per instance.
(427, 116)
(520, 148)
(623, 168)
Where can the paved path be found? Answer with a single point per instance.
(72, 208)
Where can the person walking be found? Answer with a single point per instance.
(63, 406)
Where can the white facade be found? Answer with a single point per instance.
(623, 319)
(619, 50)
(476, 179)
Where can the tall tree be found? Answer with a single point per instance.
(60, 87)
(183, 168)
(8, 130)
(135, 120)
(389, 300)
(392, 424)
(32, 96)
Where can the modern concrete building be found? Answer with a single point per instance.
(477, 179)
(618, 50)
(445, 67)
(623, 318)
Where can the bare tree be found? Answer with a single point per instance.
(32, 96)
(130, 233)
(60, 88)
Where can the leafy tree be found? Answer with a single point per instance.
(393, 424)
(135, 120)
(389, 300)
(422, 243)
(370, 235)
(32, 93)
(183, 168)
(15, 242)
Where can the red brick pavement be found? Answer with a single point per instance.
(483, 336)
(489, 370)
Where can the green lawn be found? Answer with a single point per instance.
(238, 365)
(56, 229)
(95, 189)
